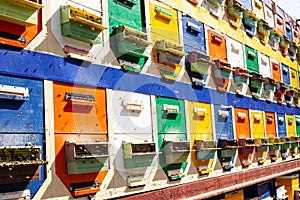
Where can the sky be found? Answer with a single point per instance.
(292, 7)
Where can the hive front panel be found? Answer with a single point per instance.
(22, 136)
(81, 139)
(202, 139)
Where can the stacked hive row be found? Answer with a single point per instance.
(188, 135)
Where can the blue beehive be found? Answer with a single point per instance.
(282, 133)
(21, 132)
(197, 61)
(285, 73)
(224, 136)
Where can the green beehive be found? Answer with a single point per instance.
(251, 59)
(285, 146)
(86, 157)
(127, 39)
(228, 153)
(292, 50)
(222, 69)
(222, 73)
(274, 38)
(138, 155)
(241, 79)
(295, 145)
(87, 165)
(131, 42)
(297, 120)
(294, 141)
(235, 12)
(176, 151)
(80, 25)
(129, 13)
(263, 28)
(205, 150)
(274, 147)
(170, 115)
(286, 142)
(199, 62)
(131, 47)
(165, 45)
(263, 148)
(256, 84)
(172, 158)
(228, 147)
(22, 13)
(205, 155)
(275, 144)
(284, 42)
(250, 19)
(270, 87)
(250, 22)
